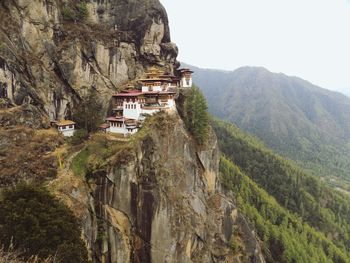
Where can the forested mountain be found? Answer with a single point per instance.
(299, 120)
(298, 217)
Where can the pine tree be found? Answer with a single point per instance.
(88, 114)
(196, 115)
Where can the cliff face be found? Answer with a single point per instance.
(162, 205)
(158, 199)
(51, 62)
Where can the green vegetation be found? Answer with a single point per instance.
(196, 115)
(68, 14)
(75, 12)
(79, 137)
(88, 114)
(2, 48)
(79, 163)
(98, 154)
(37, 223)
(307, 206)
(293, 117)
(286, 238)
(83, 11)
(104, 150)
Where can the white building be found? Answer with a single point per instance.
(66, 127)
(122, 125)
(185, 78)
(157, 93)
(155, 81)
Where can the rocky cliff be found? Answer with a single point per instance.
(51, 56)
(157, 199)
(154, 198)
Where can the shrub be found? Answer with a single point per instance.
(68, 14)
(36, 222)
(79, 137)
(79, 163)
(78, 12)
(82, 12)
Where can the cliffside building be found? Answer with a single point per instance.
(66, 127)
(185, 78)
(158, 92)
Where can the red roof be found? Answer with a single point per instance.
(115, 119)
(104, 126)
(131, 91)
(155, 80)
(166, 92)
(185, 70)
(129, 94)
(138, 93)
(158, 92)
(119, 119)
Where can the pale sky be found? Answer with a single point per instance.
(305, 38)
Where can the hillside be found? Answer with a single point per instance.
(297, 119)
(151, 197)
(162, 194)
(298, 217)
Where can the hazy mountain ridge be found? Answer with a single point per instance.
(292, 116)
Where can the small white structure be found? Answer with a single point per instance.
(66, 127)
(185, 78)
(122, 125)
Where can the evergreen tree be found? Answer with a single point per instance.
(88, 114)
(196, 115)
(35, 222)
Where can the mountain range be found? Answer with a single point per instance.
(299, 120)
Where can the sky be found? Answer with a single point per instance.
(305, 38)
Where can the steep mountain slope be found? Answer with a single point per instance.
(53, 52)
(299, 120)
(154, 197)
(299, 218)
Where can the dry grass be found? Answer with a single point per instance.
(27, 154)
(11, 256)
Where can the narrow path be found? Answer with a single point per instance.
(68, 162)
(65, 170)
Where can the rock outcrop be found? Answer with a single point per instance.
(160, 200)
(163, 206)
(51, 61)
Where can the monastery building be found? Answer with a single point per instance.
(157, 93)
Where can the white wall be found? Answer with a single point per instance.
(131, 110)
(150, 111)
(155, 88)
(133, 131)
(115, 129)
(66, 131)
(171, 103)
(184, 83)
